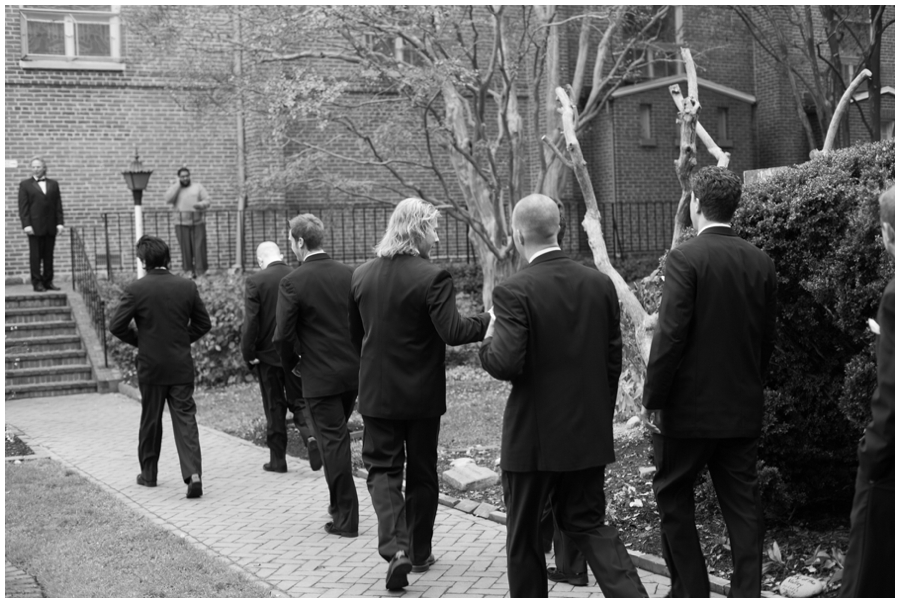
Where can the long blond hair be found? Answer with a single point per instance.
(407, 228)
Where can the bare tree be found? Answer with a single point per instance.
(813, 49)
(443, 81)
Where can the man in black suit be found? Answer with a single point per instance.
(703, 397)
(312, 324)
(869, 565)
(281, 390)
(556, 337)
(402, 314)
(40, 209)
(169, 316)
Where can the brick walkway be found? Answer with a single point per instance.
(268, 526)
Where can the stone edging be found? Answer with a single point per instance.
(645, 561)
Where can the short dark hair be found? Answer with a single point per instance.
(183, 169)
(309, 228)
(153, 251)
(719, 192)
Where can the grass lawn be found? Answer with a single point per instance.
(79, 541)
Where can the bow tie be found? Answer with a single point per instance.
(41, 179)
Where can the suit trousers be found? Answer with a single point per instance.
(280, 393)
(732, 466)
(192, 240)
(184, 426)
(328, 419)
(404, 523)
(566, 556)
(579, 506)
(869, 564)
(40, 251)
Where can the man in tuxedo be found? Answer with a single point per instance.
(703, 397)
(402, 315)
(556, 337)
(40, 209)
(312, 323)
(869, 564)
(280, 389)
(169, 316)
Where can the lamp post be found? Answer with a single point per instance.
(136, 177)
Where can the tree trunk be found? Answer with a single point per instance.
(687, 156)
(842, 109)
(493, 270)
(643, 322)
(873, 64)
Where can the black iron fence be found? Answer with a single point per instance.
(84, 280)
(352, 230)
(643, 228)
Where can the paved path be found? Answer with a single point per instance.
(266, 525)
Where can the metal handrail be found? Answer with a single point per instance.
(84, 280)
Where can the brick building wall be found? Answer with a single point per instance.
(86, 125)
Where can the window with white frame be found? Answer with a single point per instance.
(71, 37)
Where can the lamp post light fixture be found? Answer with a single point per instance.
(137, 178)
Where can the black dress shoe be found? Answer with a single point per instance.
(195, 489)
(39, 288)
(315, 458)
(269, 467)
(145, 482)
(398, 569)
(423, 567)
(51, 287)
(574, 579)
(329, 527)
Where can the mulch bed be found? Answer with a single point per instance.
(16, 447)
(811, 547)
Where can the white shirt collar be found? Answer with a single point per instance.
(542, 252)
(711, 224)
(317, 252)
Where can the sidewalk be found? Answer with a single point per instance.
(269, 526)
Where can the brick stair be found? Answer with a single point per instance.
(44, 352)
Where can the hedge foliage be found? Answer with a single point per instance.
(217, 355)
(819, 223)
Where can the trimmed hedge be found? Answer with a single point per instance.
(819, 224)
(217, 355)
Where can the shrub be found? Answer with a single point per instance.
(819, 224)
(217, 356)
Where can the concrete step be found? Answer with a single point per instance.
(28, 360)
(41, 329)
(45, 314)
(38, 300)
(44, 374)
(50, 343)
(41, 390)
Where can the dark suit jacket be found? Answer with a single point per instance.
(402, 313)
(42, 212)
(260, 301)
(876, 451)
(715, 335)
(312, 319)
(557, 339)
(170, 316)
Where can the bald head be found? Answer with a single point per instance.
(268, 252)
(537, 218)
